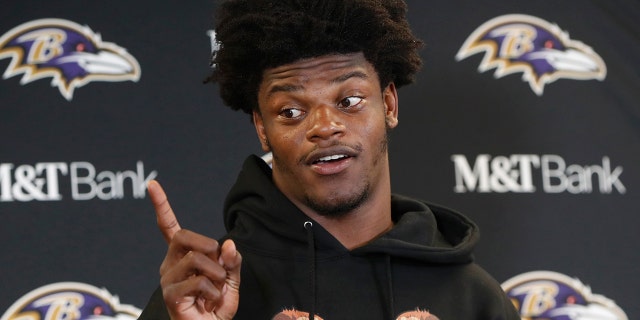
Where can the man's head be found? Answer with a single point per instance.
(258, 34)
(319, 78)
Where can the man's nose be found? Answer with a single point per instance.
(325, 122)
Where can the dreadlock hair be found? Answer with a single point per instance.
(254, 35)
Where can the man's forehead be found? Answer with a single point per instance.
(330, 68)
(307, 66)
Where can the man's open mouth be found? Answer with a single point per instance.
(331, 158)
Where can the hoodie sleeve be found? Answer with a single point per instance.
(505, 310)
(495, 304)
(155, 308)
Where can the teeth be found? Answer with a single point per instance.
(333, 157)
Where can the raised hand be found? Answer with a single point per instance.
(199, 278)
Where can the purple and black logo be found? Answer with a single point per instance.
(546, 295)
(71, 54)
(540, 50)
(70, 300)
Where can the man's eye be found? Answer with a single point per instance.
(350, 102)
(291, 113)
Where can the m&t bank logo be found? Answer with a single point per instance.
(521, 173)
(42, 181)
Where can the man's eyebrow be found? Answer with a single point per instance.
(284, 88)
(339, 79)
(347, 76)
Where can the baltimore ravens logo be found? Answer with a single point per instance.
(540, 50)
(70, 301)
(72, 55)
(546, 295)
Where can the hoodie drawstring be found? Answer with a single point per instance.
(311, 256)
(390, 287)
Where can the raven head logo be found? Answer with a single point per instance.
(540, 50)
(547, 295)
(72, 55)
(70, 300)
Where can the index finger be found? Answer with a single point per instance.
(165, 217)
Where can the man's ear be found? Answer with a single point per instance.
(262, 135)
(390, 98)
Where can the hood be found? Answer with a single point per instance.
(260, 217)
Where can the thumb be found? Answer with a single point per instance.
(231, 260)
(165, 217)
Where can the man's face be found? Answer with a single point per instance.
(325, 119)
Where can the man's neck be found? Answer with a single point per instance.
(361, 225)
(357, 229)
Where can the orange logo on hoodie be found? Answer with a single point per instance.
(417, 315)
(301, 315)
(294, 315)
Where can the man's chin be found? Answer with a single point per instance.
(337, 208)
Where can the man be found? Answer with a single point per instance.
(320, 235)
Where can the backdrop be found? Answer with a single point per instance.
(526, 118)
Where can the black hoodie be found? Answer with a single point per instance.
(292, 267)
